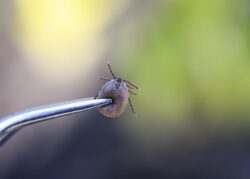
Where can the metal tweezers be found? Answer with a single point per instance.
(10, 124)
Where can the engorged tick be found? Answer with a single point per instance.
(118, 90)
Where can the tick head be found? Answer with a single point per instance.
(118, 83)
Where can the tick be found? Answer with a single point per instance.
(118, 90)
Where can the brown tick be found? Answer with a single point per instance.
(118, 90)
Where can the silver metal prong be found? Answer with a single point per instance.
(12, 123)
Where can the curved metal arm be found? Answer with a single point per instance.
(12, 123)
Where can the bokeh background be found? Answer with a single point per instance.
(189, 57)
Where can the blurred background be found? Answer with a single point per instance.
(189, 57)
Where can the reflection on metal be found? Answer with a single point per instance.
(9, 125)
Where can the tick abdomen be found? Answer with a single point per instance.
(117, 90)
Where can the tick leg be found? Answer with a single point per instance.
(103, 78)
(111, 70)
(132, 92)
(130, 84)
(131, 106)
(130, 87)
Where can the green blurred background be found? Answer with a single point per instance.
(190, 59)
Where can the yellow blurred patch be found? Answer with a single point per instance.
(63, 37)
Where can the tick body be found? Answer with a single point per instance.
(118, 90)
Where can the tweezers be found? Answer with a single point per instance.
(10, 124)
